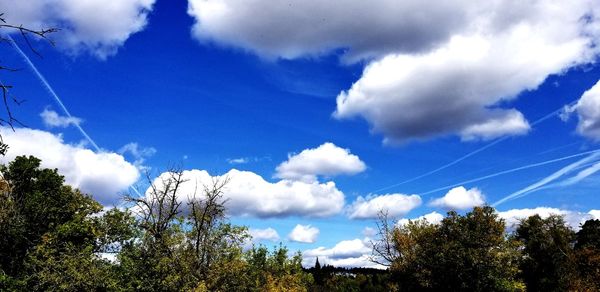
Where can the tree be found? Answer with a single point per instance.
(51, 235)
(181, 245)
(548, 263)
(276, 271)
(587, 254)
(462, 253)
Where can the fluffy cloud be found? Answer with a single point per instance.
(268, 234)
(249, 194)
(346, 253)
(441, 69)
(304, 233)
(103, 175)
(460, 198)
(93, 25)
(327, 159)
(588, 112)
(311, 27)
(463, 85)
(394, 204)
(53, 119)
(433, 217)
(572, 218)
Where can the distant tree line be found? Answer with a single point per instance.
(54, 238)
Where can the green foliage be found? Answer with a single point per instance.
(463, 253)
(587, 257)
(275, 270)
(548, 253)
(50, 234)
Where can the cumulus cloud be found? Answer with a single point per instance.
(573, 218)
(394, 204)
(93, 25)
(433, 217)
(588, 113)
(327, 160)
(268, 234)
(104, 175)
(249, 194)
(53, 119)
(304, 234)
(441, 69)
(346, 253)
(463, 85)
(298, 28)
(459, 198)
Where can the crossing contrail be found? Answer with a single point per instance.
(57, 98)
(491, 144)
(443, 166)
(554, 176)
(588, 169)
(528, 166)
(52, 92)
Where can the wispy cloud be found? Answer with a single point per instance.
(53, 119)
(245, 160)
(139, 154)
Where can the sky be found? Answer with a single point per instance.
(320, 113)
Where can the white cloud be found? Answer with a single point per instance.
(460, 198)
(97, 26)
(588, 112)
(595, 214)
(139, 154)
(463, 85)
(304, 234)
(441, 69)
(433, 217)
(250, 159)
(572, 218)
(268, 234)
(53, 119)
(327, 159)
(249, 194)
(103, 175)
(241, 160)
(312, 27)
(346, 253)
(394, 204)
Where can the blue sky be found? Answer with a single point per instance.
(325, 113)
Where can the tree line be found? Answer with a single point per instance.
(55, 238)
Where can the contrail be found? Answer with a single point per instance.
(580, 175)
(493, 143)
(533, 165)
(443, 166)
(52, 92)
(557, 174)
(57, 99)
(588, 170)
